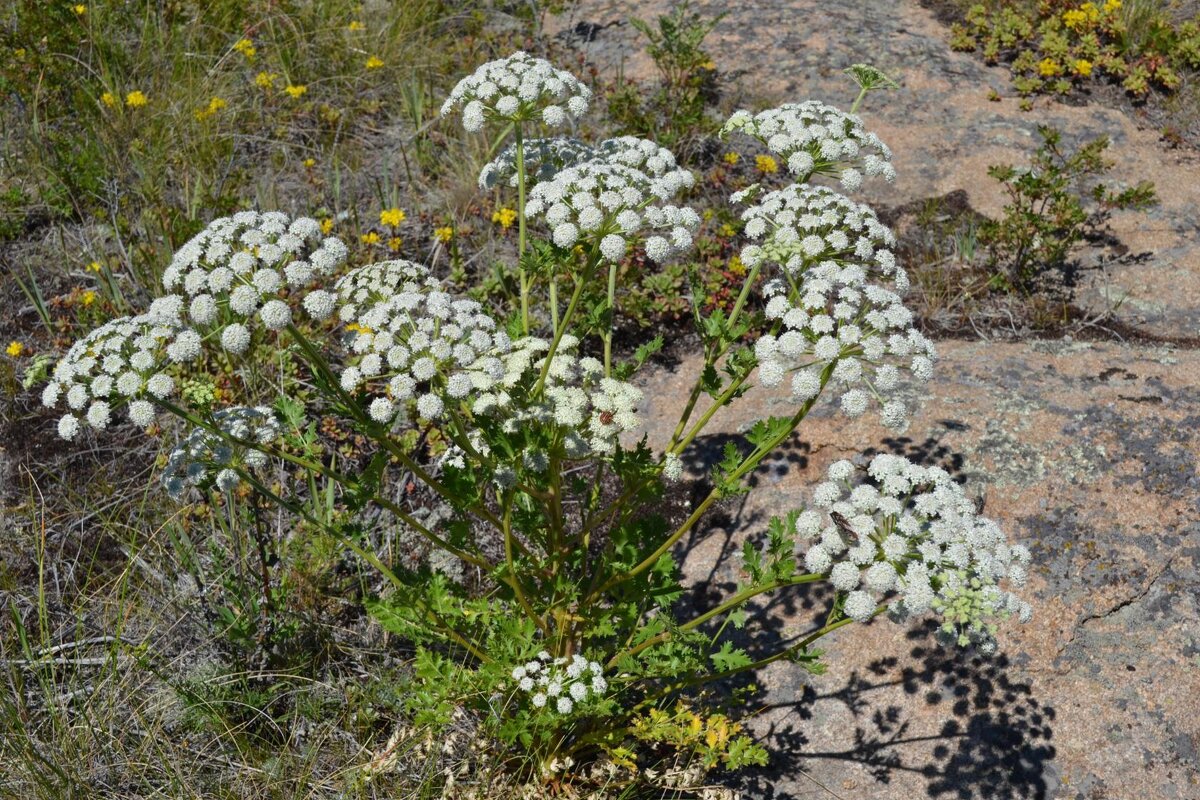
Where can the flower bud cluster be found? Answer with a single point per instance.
(122, 361)
(839, 329)
(604, 202)
(814, 138)
(412, 342)
(204, 459)
(560, 684)
(235, 272)
(518, 88)
(910, 533)
(593, 409)
(803, 225)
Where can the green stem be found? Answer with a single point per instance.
(744, 294)
(512, 569)
(612, 318)
(751, 462)
(862, 93)
(762, 662)
(519, 141)
(580, 283)
(731, 603)
(554, 304)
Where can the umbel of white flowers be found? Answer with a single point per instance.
(903, 530)
(518, 88)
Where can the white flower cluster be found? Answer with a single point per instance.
(802, 225)
(861, 332)
(560, 683)
(545, 158)
(607, 202)
(235, 271)
(593, 409)
(518, 88)
(814, 138)
(205, 459)
(121, 362)
(414, 342)
(911, 533)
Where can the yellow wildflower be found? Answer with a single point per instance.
(295, 91)
(1074, 19)
(88, 297)
(1048, 67)
(444, 235)
(370, 238)
(326, 225)
(391, 217)
(707, 214)
(395, 243)
(354, 327)
(736, 266)
(374, 62)
(135, 99)
(726, 230)
(355, 25)
(1111, 5)
(214, 105)
(266, 80)
(731, 158)
(505, 216)
(245, 47)
(766, 165)
(80, 9)
(94, 267)
(1083, 67)
(15, 349)
(109, 99)
(309, 163)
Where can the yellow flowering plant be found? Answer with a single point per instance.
(1052, 49)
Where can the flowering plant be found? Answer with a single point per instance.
(544, 603)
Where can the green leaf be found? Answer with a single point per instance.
(730, 658)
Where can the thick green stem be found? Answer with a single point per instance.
(519, 142)
(612, 318)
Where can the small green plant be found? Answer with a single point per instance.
(1046, 214)
(676, 114)
(1058, 45)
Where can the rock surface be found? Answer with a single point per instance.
(1085, 452)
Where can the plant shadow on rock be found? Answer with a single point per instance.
(995, 744)
(994, 737)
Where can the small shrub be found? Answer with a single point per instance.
(1046, 214)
